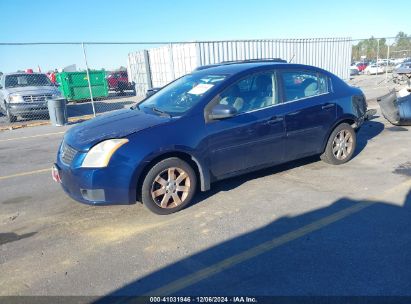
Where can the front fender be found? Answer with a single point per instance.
(148, 161)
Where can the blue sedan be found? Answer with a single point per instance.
(217, 122)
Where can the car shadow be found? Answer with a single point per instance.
(234, 182)
(347, 248)
(368, 131)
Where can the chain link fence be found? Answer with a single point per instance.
(92, 78)
(97, 78)
(390, 57)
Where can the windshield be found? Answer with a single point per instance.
(24, 80)
(181, 95)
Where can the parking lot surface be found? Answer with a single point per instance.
(303, 228)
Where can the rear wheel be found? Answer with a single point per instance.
(169, 186)
(340, 146)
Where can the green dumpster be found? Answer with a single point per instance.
(74, 85)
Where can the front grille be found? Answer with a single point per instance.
(37, 98)
(67, 153)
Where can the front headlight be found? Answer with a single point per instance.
(99, 156)
(15, 98)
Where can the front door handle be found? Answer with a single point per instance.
(328, 106)
(274, 120)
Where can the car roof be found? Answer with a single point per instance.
(239, 67)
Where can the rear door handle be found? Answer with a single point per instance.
(294, 113)
(328, 106)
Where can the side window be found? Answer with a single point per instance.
(303, 84)
(245, 84)
(253, 92)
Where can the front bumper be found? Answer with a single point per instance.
(28, 108)
(93, 186)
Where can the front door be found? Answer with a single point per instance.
(255, 136)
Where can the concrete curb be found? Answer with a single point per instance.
(71, 120)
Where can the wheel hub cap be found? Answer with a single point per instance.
(171, 187)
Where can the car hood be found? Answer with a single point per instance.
(116, 124)
(33, 90)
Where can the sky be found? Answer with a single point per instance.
(178, 20)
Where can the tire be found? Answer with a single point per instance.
(10, 117)
(122, 87)
(337, 152)
(133, 87)
(158, 191)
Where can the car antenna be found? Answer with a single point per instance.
(291, 58)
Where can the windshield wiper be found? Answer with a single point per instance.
(154, 109)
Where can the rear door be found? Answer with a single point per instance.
(310, 112)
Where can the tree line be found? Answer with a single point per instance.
(401, 47)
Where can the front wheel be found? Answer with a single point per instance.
(10, 117)
(340, 146)
(169, 186)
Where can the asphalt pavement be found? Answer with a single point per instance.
(303, 228)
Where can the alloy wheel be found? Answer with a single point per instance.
(171, 187)
(342, 144)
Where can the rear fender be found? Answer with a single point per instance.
(346, 118)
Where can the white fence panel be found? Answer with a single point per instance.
(139, 72)
(184, 58)
(169, 62)
(161, 66)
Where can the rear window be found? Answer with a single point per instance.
(303, 84)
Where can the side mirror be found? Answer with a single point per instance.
(222, 111)
(152, 91)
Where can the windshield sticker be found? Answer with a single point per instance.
(200, 89)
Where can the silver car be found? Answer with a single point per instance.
(26, 95)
